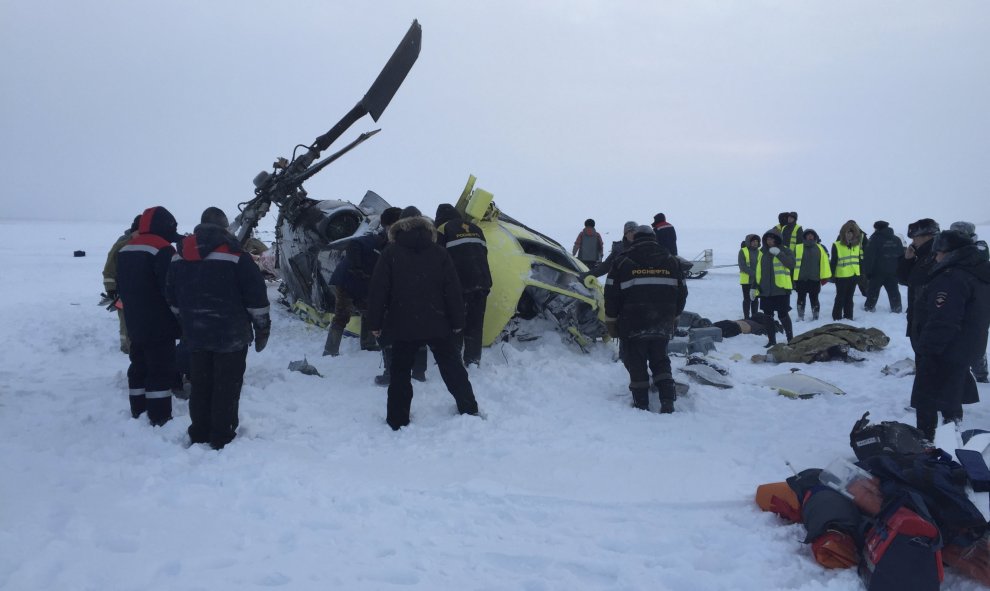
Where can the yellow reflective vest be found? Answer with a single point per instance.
(781, 274)
(848, 259)
(824, 267)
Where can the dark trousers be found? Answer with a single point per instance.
(845, 288)
(807, 288)
(216, 395)
(637, 355)
(750, 305)
(400, 391)
(887, 282)
(150, 378)
(343, 308)
(474, 324)
(781, 304)
(940, 385)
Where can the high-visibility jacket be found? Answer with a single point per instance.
(847, 259)
(781, 273)
(745, 262)
(824, 268)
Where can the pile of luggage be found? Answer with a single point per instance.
(898, 514)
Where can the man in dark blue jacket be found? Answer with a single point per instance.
(350, 279)
(644, 294)
(950, 330)
(465, 242)
(218, 293)
(142, 268)
(880, 257)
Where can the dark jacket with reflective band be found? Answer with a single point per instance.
(666, 236)
(881, 254)
(142, 270)
(811, 262)
(415, 293)
(953, 311)
(217, 290)
(465, 242)
(353, 273)
(645, 290)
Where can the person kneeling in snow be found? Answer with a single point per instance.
(644, 294)
(219, 295)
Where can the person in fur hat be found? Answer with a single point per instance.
(917, 262)
(416, 296)
(847, 255)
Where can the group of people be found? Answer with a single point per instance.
(203, 288)
(790, 258)
(422, 284)
(948, 307)
(416, 285)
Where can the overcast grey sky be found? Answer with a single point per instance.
(718, 113)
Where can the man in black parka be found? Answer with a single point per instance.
(882, 252)
(644, 293)
(142, 269)
(415, 296)
(465, 242)
(219, 295)
(950, 330)
(914, 266)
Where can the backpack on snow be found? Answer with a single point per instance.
(885, 438)
(830, 518)
(902, 550)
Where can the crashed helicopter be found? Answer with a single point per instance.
(536, 282)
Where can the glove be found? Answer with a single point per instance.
(753, 294)
(774, 250)
(261, 339)
(612, 327)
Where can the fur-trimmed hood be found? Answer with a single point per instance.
(857, 233)
(415, 232)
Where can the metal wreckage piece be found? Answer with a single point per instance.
(536, 282)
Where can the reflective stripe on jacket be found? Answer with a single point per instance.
(847, 259)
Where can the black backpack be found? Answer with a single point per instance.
(888, 437)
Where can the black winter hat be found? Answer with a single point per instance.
(134, 224)
(923, 227)
(390, 216)
(410, 212)
(215, 216)
(445, 213)
(793, 214)
(782, 217)
(950, 240)
(629, 227)
(880, 225)
(589, 223)
(659, 218)
(643, 231)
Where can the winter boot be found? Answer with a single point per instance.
(668, 393)
(788, 327)
(641, 398)
(745, 310)
(138, 402)
(814, 312)
(332, 348)
(800, 312)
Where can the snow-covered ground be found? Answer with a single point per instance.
(563, 486)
